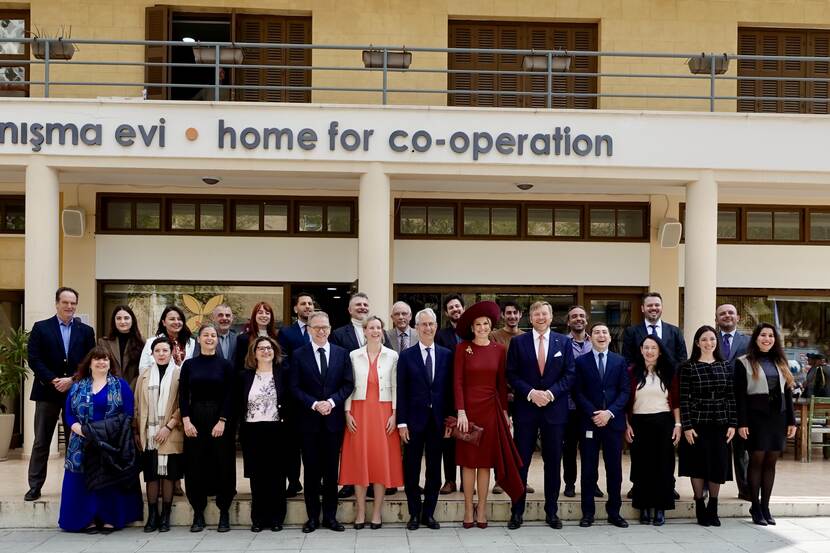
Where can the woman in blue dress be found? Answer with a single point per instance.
(97, 394)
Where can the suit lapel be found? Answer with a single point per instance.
(74, 333)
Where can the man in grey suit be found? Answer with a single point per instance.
(401, 335)
(222, 317)
(732, 345)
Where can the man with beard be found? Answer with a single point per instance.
(669, 335)
(447, 338)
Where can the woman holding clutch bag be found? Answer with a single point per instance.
(481, 399)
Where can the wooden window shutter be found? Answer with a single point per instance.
(299, 32)
(157, 27)
(819, 45)
(510, 38)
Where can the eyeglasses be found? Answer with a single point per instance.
(320, 328)
(264, 348)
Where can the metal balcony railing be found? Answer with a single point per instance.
(706, 77)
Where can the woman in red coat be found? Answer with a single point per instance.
(481, 398)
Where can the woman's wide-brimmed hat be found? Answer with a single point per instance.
(489, 309)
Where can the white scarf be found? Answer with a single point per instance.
(159, 394)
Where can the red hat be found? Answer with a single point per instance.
(489, 309)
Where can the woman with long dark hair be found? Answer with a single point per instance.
(263, 322)
(708, 416)
(124, 343)
(653, 429)
(172, 326)
(763, 392)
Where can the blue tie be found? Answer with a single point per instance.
(601, 366)
(428, 364)
(727, 346)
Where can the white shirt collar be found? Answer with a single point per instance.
(536, 335)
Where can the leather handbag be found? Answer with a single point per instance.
(472, 436)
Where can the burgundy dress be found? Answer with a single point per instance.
(481, 390)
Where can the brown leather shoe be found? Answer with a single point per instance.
(447, 488)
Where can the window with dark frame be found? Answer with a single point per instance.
(768, 224)
(13, 78)
(12, 214)
(182, 214)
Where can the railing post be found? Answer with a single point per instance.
(46, 68)
(385, 73)
(712, 82)
(217, 53)
(549, 101)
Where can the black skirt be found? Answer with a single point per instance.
(710, 458)
(652, 461)
(767, 431)
(149, 465)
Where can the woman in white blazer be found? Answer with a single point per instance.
(371, 447)
(172, 326)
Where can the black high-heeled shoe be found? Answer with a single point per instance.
(376, 525)
(767, 515)
(359, 525)
(757, 517)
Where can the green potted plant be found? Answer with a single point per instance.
(13, 371)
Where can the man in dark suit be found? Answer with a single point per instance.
(321, 379)
(222, 317)
(424, 399)
(670, 335)
(601, 393)
(447, 338)
(540, 368)
(733, 344)
(56, 347)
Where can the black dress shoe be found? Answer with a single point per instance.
(598, 493)
(554, 522)
(346, 491)
(570, 490)
(515, 522)
(630, 494)
(618, 521)
(224, 522)
(376, 525)
(431, 523)
(293, 490)
(198, 522)
(645, 516)
(32, 495)
(586, 522)
(676, 495)
(276, 528)
(334, 525)
(256, 528)
(106, 530)
(659, 517)
(310, 526)
(91, 529)
(413, 523)
(391, 491)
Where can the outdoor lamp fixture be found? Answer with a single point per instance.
(560, 62)
(228, 55)
(373, 59)
(702, 64)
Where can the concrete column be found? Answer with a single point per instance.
(701, 259)
(664, 266)
(374, 269)
(42, 273)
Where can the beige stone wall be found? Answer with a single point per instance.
(678, 26)
(11, 262)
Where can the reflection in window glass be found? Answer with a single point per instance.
(276, 217)
(148, 215)
(602, 222)
(246, 217)
(759, 225)
(339, 218)
(787, 225)
(119, 215)
(477, 220)
(15, 216)
(413, 220)
(212, 217)
(441, 220)
(183, 216)
(819, 226)
(567, 222)
(311, 218)
(727, 225)
(504, 221)
(539, 222)
(629, 223)
(12, 28)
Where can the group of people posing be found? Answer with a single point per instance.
(365, 408)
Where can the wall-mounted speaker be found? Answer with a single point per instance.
(73, 221)
(670, 232)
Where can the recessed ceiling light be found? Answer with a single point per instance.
(188, 39)
(524, 186)
(332, 289)
(336, 297)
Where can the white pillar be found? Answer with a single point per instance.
(375, 240)
(42, 272)
(701, 259)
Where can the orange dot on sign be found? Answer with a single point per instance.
(191, 133)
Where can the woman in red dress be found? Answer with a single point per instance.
(481, 398)
(371, 447)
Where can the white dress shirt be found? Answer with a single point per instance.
(658, 330)
(326, 347)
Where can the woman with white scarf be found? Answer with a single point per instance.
(159, 432)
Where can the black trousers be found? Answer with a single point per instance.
(321, 459)
(570, 446)
(448, 454)
(265, 467)
(741, 459)
(610, 440)
(291, 451)
(210, 462)
(652, 461)
(47, 414)
(426, 442)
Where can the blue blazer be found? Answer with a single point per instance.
(523, 375)
(307, 386)
(47, 358)
(416, 395)
(612, 393)
(291, 338)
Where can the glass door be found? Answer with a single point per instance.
(618, 311)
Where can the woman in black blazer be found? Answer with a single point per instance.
(262, 432)
(763, 393)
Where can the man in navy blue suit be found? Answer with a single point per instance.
(56, 347)
(670, 335)
(540, 368)
(446, 337)
(601, 393)
(321, 379)
(424, 398)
